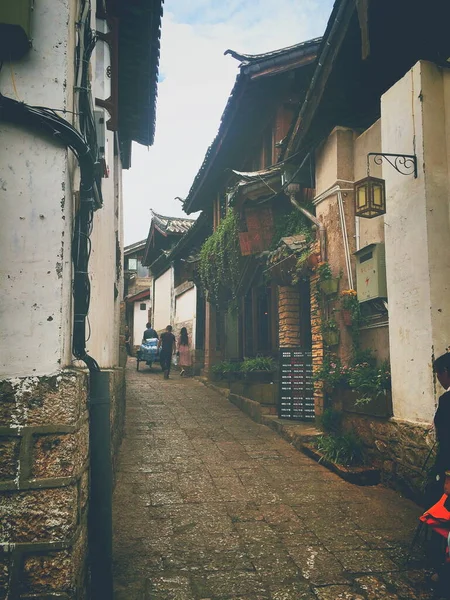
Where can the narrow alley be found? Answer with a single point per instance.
(209, 504)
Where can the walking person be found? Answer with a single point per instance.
(128, 340)
(439, 482)
(167, 345)
(184, 351)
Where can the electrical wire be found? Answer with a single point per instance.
(83, 144)
(284, 186)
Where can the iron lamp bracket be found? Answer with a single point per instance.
(405, 164)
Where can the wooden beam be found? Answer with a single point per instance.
(326, 61)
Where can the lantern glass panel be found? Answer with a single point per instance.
(378, 196)
(361, 196)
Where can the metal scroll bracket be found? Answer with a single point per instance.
(405, 164)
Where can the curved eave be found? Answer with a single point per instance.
(139, 50)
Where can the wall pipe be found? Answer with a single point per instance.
(337, 190)
(313, 219)
(100, 504)
(345, 240)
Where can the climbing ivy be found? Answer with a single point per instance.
(291, 223)
(219, 261)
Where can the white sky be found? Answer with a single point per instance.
(195, 82)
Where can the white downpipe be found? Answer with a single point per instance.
(345, 240)
(358, 232)
(337, 190)
(315, 220)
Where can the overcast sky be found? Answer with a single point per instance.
(195, 82)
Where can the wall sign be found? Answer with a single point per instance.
(296, 400)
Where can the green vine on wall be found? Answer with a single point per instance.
(291, 223)
(219, 261)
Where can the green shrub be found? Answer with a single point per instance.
(225, 367)
(346, 449)
(331, 421)
(260, 363)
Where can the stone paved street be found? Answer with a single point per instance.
(209, 504)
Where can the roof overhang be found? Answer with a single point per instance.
(138, 296)
(252, 100)
(139, 33)
(367, 47)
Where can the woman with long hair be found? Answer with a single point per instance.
(184, 351)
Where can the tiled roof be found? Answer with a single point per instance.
(252, 58)
(260, 65)
(171, 224)
(134, 247)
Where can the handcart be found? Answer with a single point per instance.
(148, 353)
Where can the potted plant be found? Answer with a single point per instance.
(260, 369)
(327, 283)
(225, 370)
(350, 307)
(332, 373)
(330, 332)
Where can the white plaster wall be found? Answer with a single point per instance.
(103, 317)
(185, 306)
(334, 159)
(36, 184)
(162, 300)
(417, 233)
(140, 321)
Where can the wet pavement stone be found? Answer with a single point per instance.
(211, 505)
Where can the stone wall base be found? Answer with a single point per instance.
(398, 448)
(44, 450)
(44, 482)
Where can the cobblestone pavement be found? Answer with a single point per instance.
(209, 504)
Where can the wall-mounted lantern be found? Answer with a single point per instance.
(370, 192)
(370, 197)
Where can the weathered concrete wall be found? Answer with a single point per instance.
(163, 301)
(185, 306)
(335, 167)
(140, 321)
(36, 192)
(44, 429)
(414, 115)
(106, 270)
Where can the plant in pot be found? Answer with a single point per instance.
(327, 283)
(332, 373)
(260, 368)
(225, 370)
(368, 379)
(330, 332)
(350, 307)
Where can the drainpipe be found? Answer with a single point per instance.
(100, 505)
(292, 189)
(337, 190)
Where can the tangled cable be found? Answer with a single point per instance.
(47, 122)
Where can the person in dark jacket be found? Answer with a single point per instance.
(440, 480)
(167, 343)
(441, 367)
(150, 333)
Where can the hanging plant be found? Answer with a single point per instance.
(219, 261)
